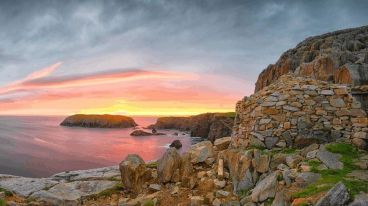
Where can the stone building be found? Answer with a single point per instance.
(297, 111)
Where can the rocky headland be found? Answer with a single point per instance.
(99, 121)
(300, 140)
(209, 126)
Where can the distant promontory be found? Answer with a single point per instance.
(99, 121)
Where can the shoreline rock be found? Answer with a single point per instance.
(140, 132)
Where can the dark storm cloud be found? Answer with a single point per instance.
(235, 38)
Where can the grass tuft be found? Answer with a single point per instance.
(7, 192)
(115, 190)
(152, 165)
(330, 177)
(2, 202)
(148, 203)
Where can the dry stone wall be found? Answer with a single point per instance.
(297, 111)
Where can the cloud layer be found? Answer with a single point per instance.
(227, 40)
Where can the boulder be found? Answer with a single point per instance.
(222, 143)
(305, 178)
(239, 164)
(133, 172)
(186, 170)
(281, 199)
(293, 160)
(168, 165)
(331, 160)
(176, 144)
(360, 200)
(196, 201)
(359, 174)
(261, 162)
(336, 196)
(201, 151)
(266, 188)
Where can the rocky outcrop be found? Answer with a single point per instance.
(140, 132)
(297, 112)
(339, 56)
(98, 121)
(67, 188)
(209, 125)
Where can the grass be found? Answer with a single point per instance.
(330, 177)
(268, 202)
(244, 193)
(148, 203)
(226, 114)
(7, 193)
(2, 202)
(151, 164)
(116, 189)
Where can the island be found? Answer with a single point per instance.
(99, 121)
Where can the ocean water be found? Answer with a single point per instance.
(39, 147)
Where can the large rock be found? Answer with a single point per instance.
(266, 188)
(99, 121)
(201, 151)
(168, 164)
(331, 160)
(239, 164)
(186, 170)
(72, 193)
(360, 200)
(337, 196)
(222, 143)
(133, 172)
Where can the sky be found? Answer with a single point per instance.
(150, 57)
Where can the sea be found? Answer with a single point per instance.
(37, 146)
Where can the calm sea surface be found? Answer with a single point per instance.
(39, 147)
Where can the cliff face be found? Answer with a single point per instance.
(209, 125)
(99, 121)
(340, 57)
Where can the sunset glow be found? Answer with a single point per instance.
(129, 91)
